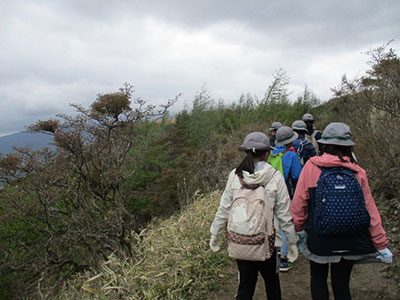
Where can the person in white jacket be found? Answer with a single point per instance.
(254, 170)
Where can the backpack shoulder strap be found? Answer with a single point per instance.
(274, 155)
(284, 151)
(314, 134)
(307, 140)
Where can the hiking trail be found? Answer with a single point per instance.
(367, 282)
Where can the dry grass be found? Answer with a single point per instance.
(172, 261)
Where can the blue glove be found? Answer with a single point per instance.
(385, 256)
(302, 240)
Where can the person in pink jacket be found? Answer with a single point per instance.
(338, 251)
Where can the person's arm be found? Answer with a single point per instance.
(282, 209)
(295, 170)
(221, 217)
(376, 231)
(299, 207)
(282, 214)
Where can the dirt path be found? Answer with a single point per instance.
(367, 282)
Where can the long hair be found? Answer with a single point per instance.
(247, 163)
(342, 152)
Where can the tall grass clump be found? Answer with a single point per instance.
(171, 260)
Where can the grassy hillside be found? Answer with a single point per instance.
(172, 260)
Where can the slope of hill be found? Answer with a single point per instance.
(34, 141)
(173, 261)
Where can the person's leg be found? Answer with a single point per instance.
(319, 286)
(284, 264)
(270, 274)
(248, 272)
(285, 247)
(340, 278)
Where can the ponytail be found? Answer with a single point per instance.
(247, 163)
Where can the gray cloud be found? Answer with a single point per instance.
(312, 22)
(53, 53)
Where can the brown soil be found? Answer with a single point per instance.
(367, 282)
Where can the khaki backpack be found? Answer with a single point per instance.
(250, 229)
(313, 140)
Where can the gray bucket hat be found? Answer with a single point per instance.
(285, 135)
(275, 126)
(337, 133)
(308, 117)
(299, 125)
(255, 141)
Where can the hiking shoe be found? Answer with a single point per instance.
(285, 265)
(278, 252)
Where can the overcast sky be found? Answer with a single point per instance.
(53, 53)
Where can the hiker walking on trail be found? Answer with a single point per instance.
(335, 215)
(274, 127)
(285, 136)
(303, 145)
(313, 132)
(254, 194)
(291, 165)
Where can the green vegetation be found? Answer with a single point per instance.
(108, 203)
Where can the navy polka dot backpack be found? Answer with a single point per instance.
(339, 203)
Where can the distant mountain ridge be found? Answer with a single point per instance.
(32, 140)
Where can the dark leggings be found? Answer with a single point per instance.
(340, 279)
(248, 273)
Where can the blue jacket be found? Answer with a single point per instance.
(290, 163)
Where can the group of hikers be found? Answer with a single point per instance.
(299, 190)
